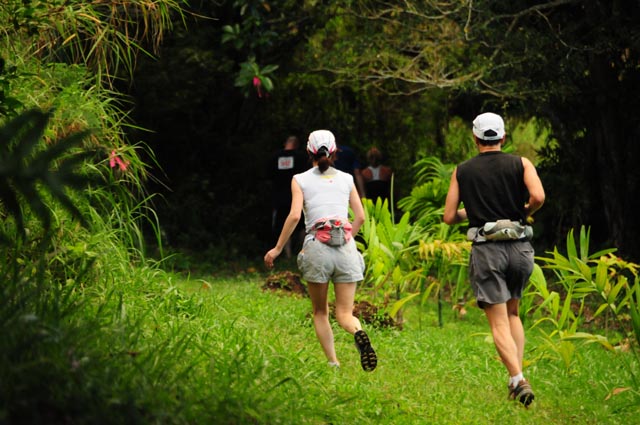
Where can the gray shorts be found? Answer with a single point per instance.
(499, 270)
(319, 262)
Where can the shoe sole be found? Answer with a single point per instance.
(368, 358)
(527, 399)
(523, 394)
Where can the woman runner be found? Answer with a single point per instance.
(329, 251)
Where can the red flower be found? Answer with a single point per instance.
(115, 159)
(257, 83)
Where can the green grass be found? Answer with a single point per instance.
(426, 374)
(161, 348)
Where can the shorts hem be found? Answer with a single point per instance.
(483, 304)
(348, 281)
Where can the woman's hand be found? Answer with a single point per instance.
(271, 256)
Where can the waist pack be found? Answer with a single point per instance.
(333, 232)
(500, 230)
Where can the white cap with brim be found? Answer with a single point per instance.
(319, 139)
(488, 126)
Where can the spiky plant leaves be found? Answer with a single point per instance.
(24, 169)
(107, 39)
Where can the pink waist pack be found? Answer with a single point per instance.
(333, 232)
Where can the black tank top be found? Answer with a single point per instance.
(492, 188)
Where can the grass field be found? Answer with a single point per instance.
(276, 373)
(165, 348)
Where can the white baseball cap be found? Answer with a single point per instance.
(488, 126)
(319, 139)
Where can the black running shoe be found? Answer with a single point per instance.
(522, 392)
(368, 358)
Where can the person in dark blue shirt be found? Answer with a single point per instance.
(347, 161)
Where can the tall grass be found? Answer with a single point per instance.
(60, 259)
(105, 36)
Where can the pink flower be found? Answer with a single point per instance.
(257, 83)
(114, 159)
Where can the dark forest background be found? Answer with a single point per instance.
(376, 73)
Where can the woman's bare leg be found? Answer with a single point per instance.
(318, 295)
(345, 294)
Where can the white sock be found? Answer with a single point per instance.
(334, 364)
(515, 380)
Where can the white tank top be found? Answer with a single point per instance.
(326, 195)
(375, 172)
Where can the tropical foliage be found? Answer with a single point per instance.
(589, 290)
(549, 60)
(72, 200)
(392, 270)
(105, 37)
(417, 257)
(426, 201)
(93, 330)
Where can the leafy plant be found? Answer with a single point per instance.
(426, 201)
(592, 285)
(252, 76)
(8, 104)
(64, 318)
(388, 248)
(445, 257)
(253, 37)
(419, 256)
(24, 168)
(105, 39)
(78, 105)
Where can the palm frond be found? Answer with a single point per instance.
(23, 172)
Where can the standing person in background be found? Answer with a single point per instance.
(329, 251)
(284, 164)
(499, 192)
(377, 177)
(347, 161)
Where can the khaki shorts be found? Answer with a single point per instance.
(320, 263)
(498, 271)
